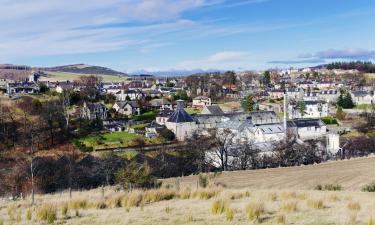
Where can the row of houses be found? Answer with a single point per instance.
(261, 127)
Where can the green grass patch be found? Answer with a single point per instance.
(193, 111)
(363, 107)
(150, 115)
(115, 140)
(141, 126)
(353, 133)
(62, 76)
(329, 120)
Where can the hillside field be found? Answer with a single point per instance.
(352, 175)
(62, 76)
(272, 196)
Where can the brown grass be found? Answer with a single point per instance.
(171, 206)
(351, 175)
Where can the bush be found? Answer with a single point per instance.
(229, 214)
(100, 205)
(132, 175)
(290, 206)
(29, 214)
(78, 204)
(185, 193)
(82, 146)
(64, 210)
(280, 219)
(203, 180)
(332, 187)
(47, 213)
(167, 134)
(219, 207)
(369, 188)
(315, 204)
(329, 120)
(205, 194)
(354, 206)
(328, 187)
(254, 210)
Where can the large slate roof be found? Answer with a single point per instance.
(215, 109)
(306, 123)
(180, 115)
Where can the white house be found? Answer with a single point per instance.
(161, 104)
(127, 108)
(93, 111)
(277, 93)
(363, 97)
(307, 129)
(181, 123)
(201, 101)
(163, 116)
(314, 109)
(124, 95)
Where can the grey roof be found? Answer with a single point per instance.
(180, 115)
(133, 104)
(200, 97)
(159, 102)
(263, 117)
(360, 93)
(329, 92)
(271, 128)
(313, 102)
(228, 117)
(215, 109)
(306, 123)
(165, 113)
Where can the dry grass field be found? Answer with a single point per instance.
(242, 201)
(352, 175)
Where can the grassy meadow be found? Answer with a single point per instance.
(62, 76)
(248, 197)
(116, 140)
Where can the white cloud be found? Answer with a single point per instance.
(220, 60)
(227, 56)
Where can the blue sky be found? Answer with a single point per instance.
(131, 35)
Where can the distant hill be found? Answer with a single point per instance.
(85, 69)
(171, 73)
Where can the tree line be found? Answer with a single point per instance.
(363, 66)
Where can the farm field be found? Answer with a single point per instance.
(62, 76)
(275, 196)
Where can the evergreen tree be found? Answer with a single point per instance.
(345, 100)
(301, 106)
(249, 103)
(348, 101)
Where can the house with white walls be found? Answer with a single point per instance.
(313, 109)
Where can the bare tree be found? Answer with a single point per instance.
(245, 156)
(221, 143)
